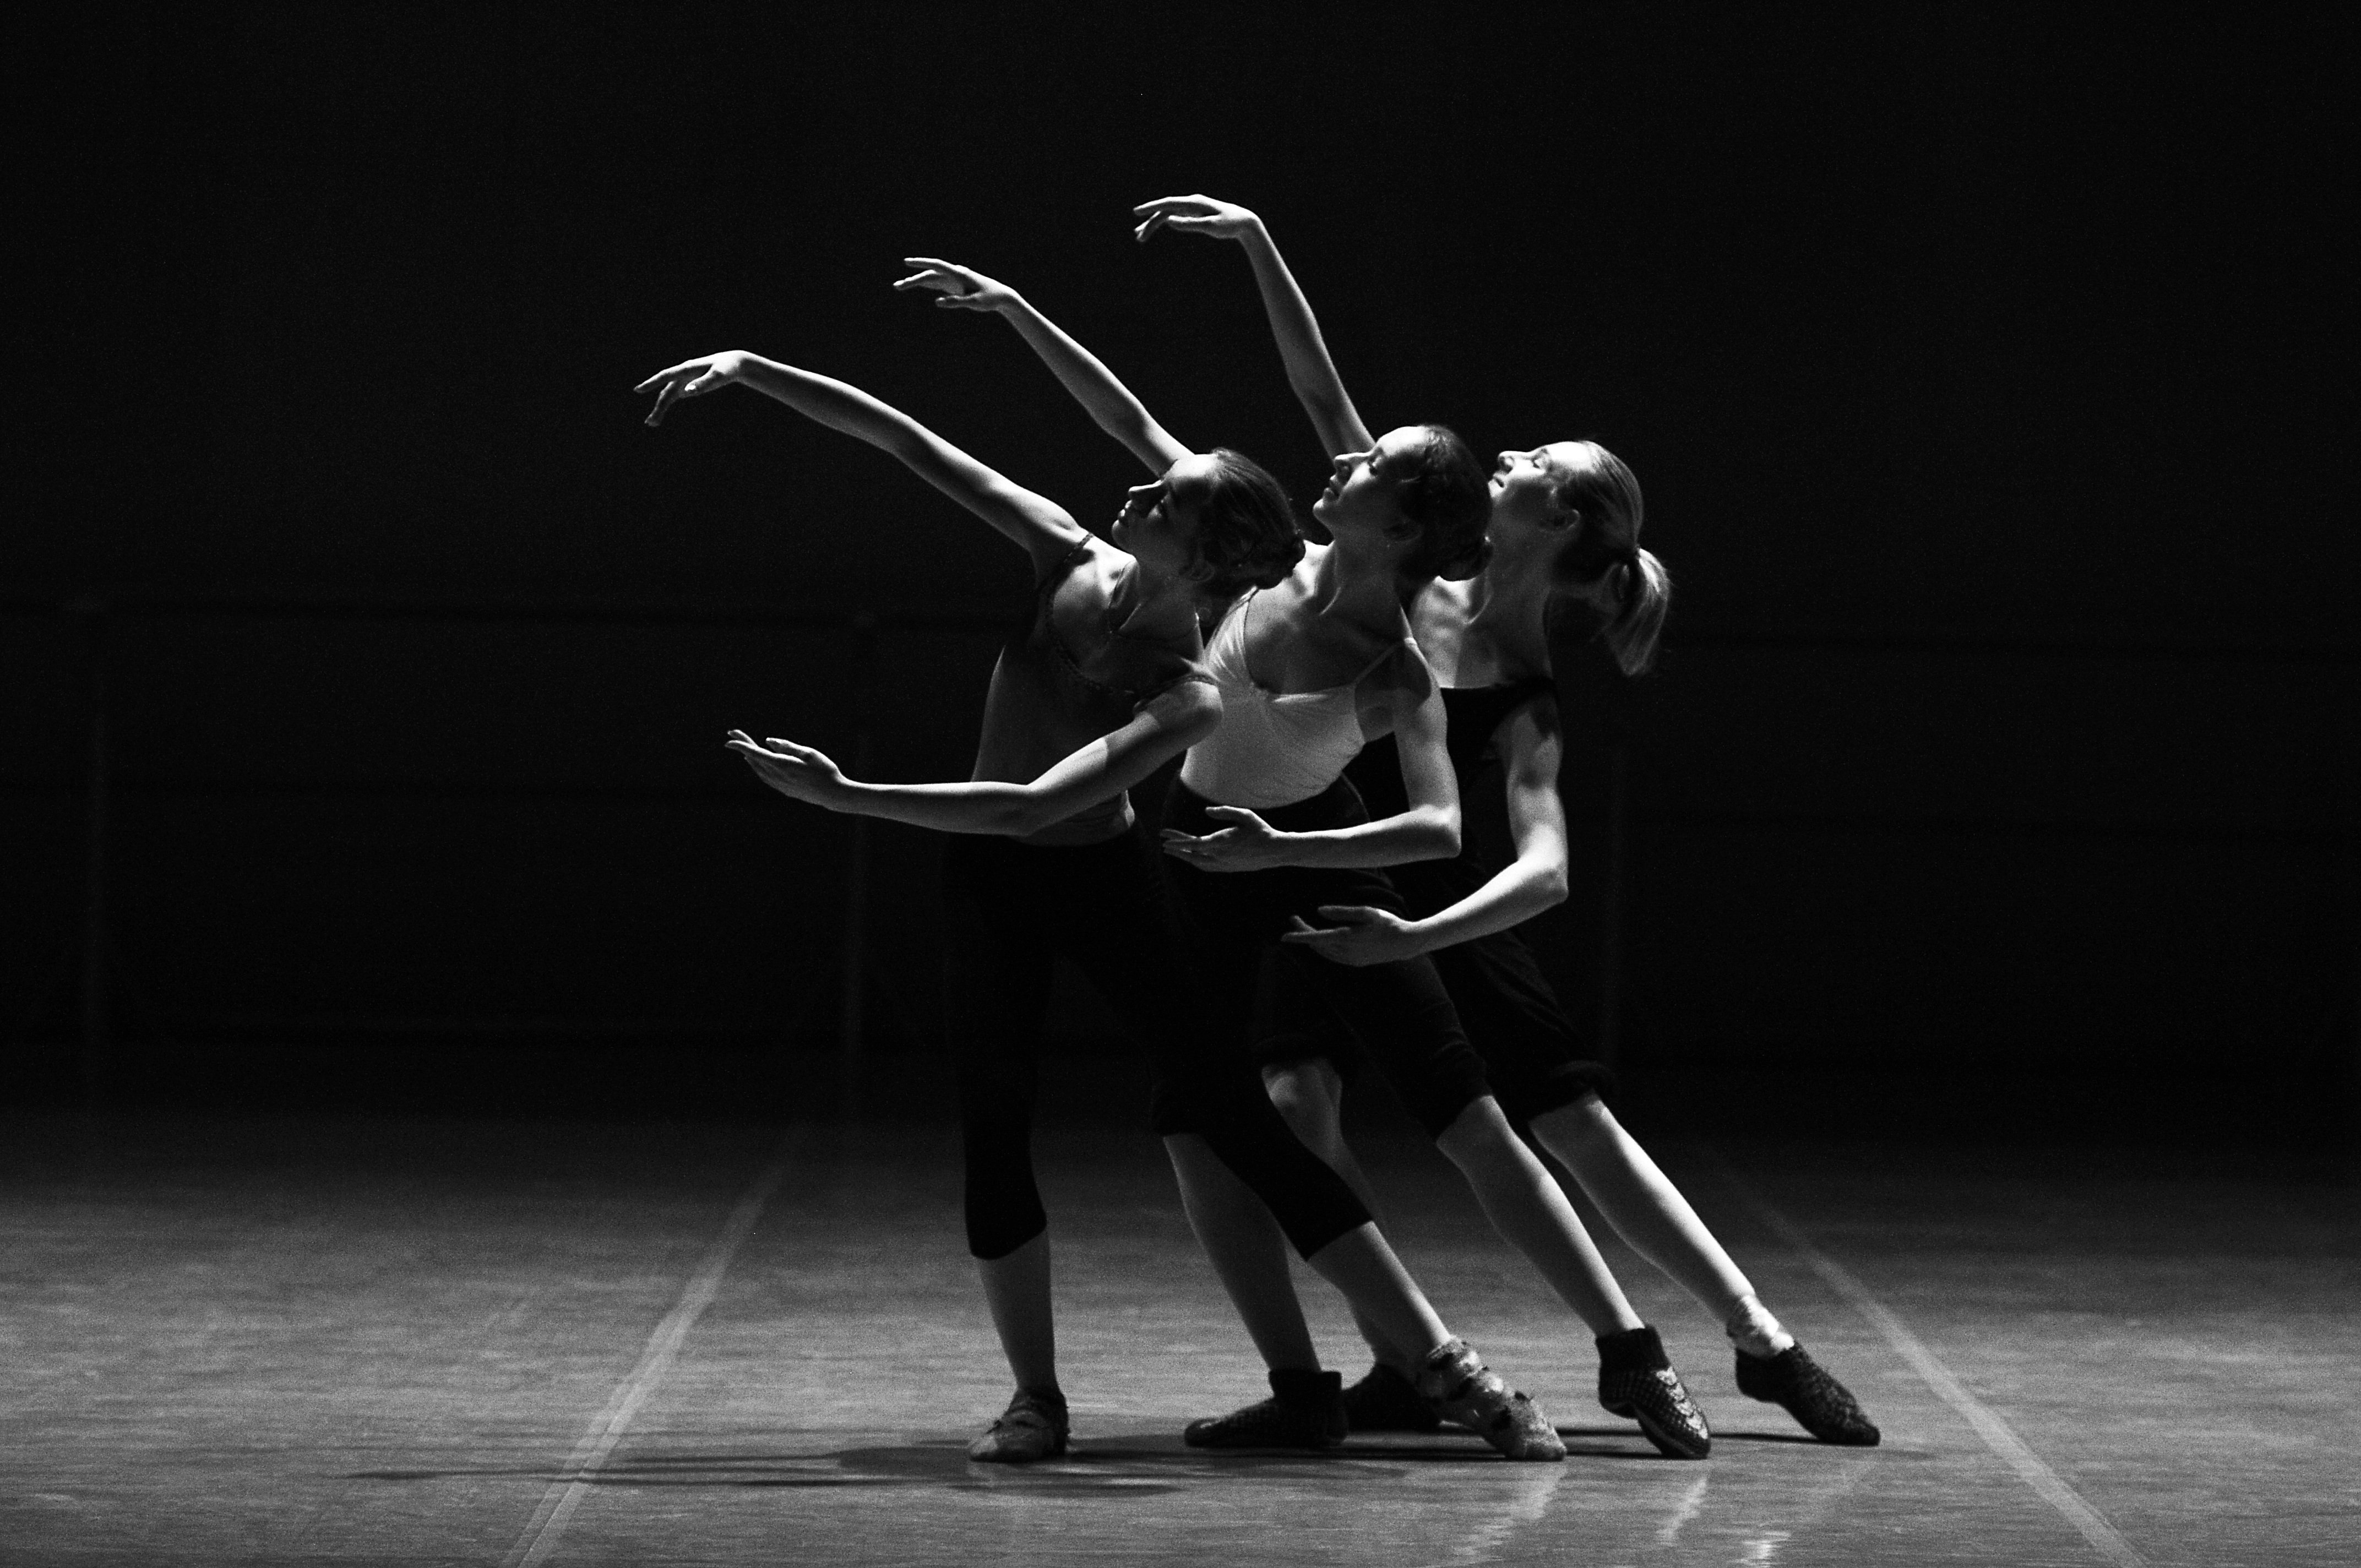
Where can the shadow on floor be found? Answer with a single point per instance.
(1136, 1463)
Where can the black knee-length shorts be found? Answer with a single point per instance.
(1399, 1010)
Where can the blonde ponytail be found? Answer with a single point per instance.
(1642, 595)
(1604, 496)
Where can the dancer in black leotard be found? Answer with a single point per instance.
(1564, 535)
(1099, 686)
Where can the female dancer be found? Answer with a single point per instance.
(1263, 829)
(1565, 536)
(1100, 686)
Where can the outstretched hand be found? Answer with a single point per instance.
(799, 772)
(692, 379)
(1192, 215)
(1248, 844)
(961, 288)
(1362, 936)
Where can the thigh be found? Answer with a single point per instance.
(1532, 1051)
(998, 949)
(1402, 1012)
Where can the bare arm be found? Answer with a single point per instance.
(1534, 881)
(1042, 526)
(1310, 371)
(1109, 402)
(1166, 727)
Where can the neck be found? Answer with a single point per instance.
(1146, 603)
(1507, 607)
(1356, 581)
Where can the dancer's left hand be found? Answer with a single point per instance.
(1248, 844)
(799, 772)
(1362, 936)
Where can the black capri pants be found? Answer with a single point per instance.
(1532, 1053)
(1400, 1010)
(1012, 908)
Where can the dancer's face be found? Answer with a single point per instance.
(1158, 520)
(1363, 487)
(1525, 484)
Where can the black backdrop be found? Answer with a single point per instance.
(1977, 363)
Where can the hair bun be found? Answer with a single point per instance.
(1467, 566)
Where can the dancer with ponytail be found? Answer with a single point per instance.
(1564, 533)
(1100, 684)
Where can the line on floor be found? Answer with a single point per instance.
(1997, 1434)
(547, 1526)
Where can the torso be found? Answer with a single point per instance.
(1294, 696)
(1067, 677)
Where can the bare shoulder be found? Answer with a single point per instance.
(1527, 739)
(1400, 674)
(1192, 701)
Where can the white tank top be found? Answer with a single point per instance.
(1272, 749)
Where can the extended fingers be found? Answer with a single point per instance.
(683, 368)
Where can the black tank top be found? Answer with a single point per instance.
(1474, 715)
(1041, 706)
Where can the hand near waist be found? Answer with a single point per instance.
(1362, 936)
(1248, 844)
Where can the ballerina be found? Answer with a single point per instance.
(1564, 531)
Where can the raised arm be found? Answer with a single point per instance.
(1428, 829)
(1309, 369)
(1042, 526)
(1161, 731)
(1109, 402)
(1534, 881)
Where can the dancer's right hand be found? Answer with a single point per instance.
(799, 772)
(692, 379)
(961, 288)
(1192, 215)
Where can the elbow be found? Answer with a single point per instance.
(1022, 818)
(1440, 836)
(1549, 887)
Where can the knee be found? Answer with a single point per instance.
(1479, 1139)
(1309, 1101)
(1570, 1131)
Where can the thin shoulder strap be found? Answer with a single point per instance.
(1066, 563)
(1388, 652)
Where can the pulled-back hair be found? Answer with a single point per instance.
(1245, 529)
(1447, 498)
(1605, 493)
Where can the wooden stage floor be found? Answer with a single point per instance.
(317, 1342)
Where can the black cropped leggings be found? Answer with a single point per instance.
(1012, 909)
(1399, 1009)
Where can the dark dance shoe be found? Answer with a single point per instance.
(1636, 1381)
(1306, 1410)
(1461, 1389)
(1796, 1383)
(1384, 1400)
(1031, 1429)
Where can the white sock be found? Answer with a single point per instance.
(1752, 1328)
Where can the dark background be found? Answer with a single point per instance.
(1983, 367)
